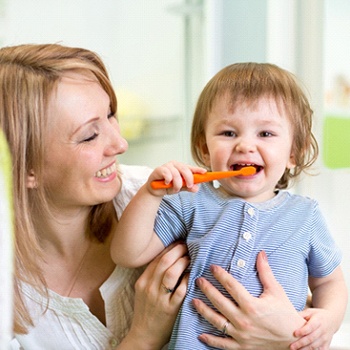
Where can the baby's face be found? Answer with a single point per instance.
(258, 134)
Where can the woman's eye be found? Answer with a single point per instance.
(91, 138)
(112, 118)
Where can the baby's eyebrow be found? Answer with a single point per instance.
(269, 122)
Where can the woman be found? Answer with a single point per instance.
(58, 111)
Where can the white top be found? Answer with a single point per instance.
(67, 323)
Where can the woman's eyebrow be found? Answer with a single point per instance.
(90, 121)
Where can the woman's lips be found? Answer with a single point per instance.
(106, 171)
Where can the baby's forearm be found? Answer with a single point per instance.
(134, 233)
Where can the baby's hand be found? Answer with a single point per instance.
(179, 174)
(317, 333)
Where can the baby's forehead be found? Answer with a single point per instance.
(265, 110)
(233, 101)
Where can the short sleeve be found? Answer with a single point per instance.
(324, 255)
(170, 224)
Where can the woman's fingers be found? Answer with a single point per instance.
(164, 274)
(242, 297)
(266, 276)
(220, 322)
(216, 319)
(219, 301)
(167, 258)
(155, 308)
(252, 320)
(233, 287)
(174, 272)
(174, 263)
(221, 343)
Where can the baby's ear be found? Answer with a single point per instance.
(31, 180)
(291, 162)
(205, 154)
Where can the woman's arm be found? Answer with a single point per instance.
(267, 322)
(155, 308)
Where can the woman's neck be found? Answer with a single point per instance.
(63, 232)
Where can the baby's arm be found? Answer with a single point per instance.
(329, 300)
(135, 243)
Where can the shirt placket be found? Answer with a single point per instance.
(240, 259)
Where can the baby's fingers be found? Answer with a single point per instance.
(181, 176)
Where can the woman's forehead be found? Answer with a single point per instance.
(78, 76)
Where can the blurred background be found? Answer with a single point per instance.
(160, 54)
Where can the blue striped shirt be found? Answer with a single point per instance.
(230, 232)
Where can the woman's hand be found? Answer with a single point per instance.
(159, 294)
(267, 322)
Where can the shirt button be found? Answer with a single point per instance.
(240, 263)
(247, 236)
(251, 212)
(113, 343)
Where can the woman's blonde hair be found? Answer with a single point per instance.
(247, 83)
(28, 76)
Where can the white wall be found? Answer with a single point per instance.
(141, 43)
(333, 186)
(318, 37)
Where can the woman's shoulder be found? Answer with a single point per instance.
(132, 177)
(134, 173)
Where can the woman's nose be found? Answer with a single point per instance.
(122, 145)
(116, 143)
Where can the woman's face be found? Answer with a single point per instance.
(83, 140)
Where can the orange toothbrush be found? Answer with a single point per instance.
(209, 176)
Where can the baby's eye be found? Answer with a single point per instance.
(266, 134)
(229, 133)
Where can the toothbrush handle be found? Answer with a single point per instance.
(208, 176)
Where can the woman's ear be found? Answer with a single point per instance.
(31, 180)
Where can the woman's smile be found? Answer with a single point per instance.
(106, 172)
